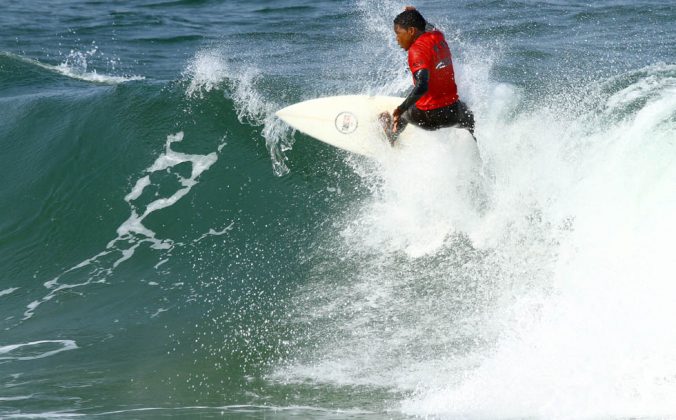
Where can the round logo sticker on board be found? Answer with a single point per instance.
(346, 122)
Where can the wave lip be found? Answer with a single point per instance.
(91, 76)
(75, 67)
(209, 70)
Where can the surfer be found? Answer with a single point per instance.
(433, 102)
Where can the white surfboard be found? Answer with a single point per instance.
(350, 123)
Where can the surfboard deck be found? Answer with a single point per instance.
(350, 122)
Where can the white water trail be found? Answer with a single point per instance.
(23, 351)
(132, 232)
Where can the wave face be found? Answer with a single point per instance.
(169, 248)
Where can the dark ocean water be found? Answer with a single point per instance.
(168, 248)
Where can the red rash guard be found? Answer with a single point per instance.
(431, 52)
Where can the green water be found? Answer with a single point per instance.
(168, 248)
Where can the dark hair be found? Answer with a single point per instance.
(410, 18)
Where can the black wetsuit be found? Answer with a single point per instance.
(455, 115)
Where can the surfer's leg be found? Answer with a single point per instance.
(411, 116)
(455, 115)
(404, 119)
(465, 117)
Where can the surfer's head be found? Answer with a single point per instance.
(408, 25)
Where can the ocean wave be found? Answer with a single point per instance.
(132, 233)
(209, 70)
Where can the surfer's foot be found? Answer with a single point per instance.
(385, 120)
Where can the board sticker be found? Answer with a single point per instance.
(346, 122)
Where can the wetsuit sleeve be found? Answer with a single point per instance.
(421, 78)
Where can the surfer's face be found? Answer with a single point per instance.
(405, 37)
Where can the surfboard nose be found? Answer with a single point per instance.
(349, 122)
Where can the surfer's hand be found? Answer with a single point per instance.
(396, 115)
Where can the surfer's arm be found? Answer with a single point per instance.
(421, 78)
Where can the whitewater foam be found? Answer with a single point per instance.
(424, 195)
(594, 338)
(8, 291)
(213, 232)
(7, 352)
(169, 159)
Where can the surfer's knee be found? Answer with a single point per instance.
(467, 119)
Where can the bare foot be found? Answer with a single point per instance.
(385, 120)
